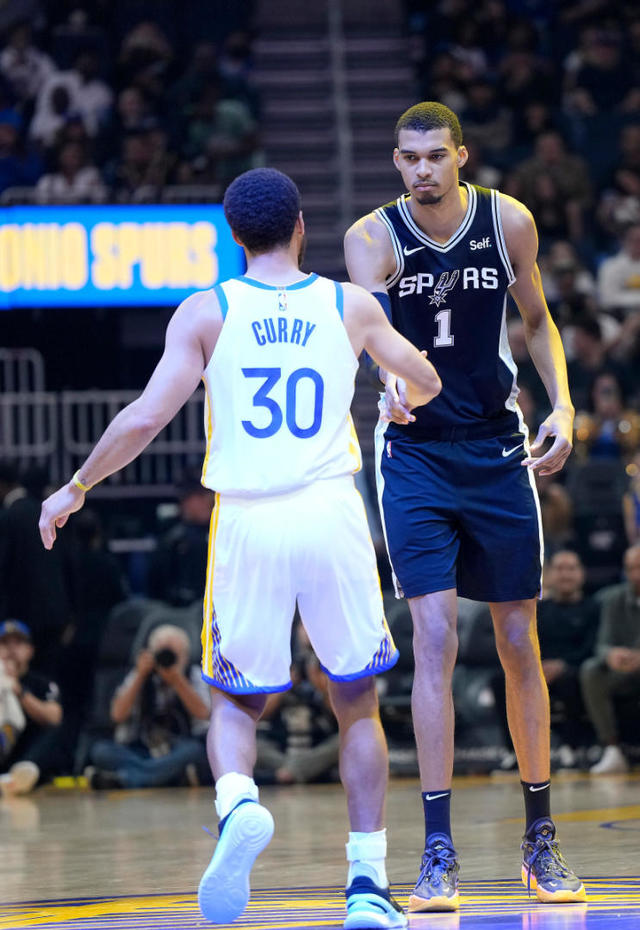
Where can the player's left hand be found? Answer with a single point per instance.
(56, 511)
(559, 423)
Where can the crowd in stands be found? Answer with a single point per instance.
(107, 101)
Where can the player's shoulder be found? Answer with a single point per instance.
(201, 303)
(369, 228)
(357, 300)
(516, 217)
(198, 314)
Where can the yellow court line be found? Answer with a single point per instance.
(629, 812)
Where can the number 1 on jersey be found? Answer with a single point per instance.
(444, 337)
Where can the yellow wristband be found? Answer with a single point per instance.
(76, 480)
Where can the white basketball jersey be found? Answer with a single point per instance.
(279, 387)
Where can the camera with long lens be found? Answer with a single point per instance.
(165, 658)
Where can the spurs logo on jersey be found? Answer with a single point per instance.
(446, 283)
(471, 278)
(449, 298)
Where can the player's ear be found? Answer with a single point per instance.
(300, 223)
(237, 239)
(463, 156)
(396, 158)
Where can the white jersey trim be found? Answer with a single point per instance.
(504, 352)
(500, 240)
(458, 235)
(397, 251)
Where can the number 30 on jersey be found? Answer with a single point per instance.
(262, 398)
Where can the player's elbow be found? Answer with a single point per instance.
(142, 422)
(429, 387)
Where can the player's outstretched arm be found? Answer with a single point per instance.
(370, 260)
(174, 380)
(369, 329)
(543, 338)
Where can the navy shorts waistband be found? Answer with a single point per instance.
(486, 429)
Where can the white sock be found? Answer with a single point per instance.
(366, 854)
(231, 788)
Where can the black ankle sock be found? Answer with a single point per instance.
(537, 801)
(437, 816)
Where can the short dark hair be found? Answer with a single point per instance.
(262, 206)
(430, 115)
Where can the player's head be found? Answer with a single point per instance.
(429, 150)
(262, 207)
(428, 115)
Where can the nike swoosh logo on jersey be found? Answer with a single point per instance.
(433, 797)
(515, 448)
(411, 251)
(539, 788)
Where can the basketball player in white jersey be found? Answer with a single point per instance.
(277, 350)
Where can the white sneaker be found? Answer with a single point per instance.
(612, 762)
(20, 779)
(223, 893)
(566, 757)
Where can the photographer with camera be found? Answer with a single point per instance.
(161, 712)
(30, 714)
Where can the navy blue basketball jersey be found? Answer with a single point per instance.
(450, 299)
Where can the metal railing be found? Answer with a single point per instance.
(58, 431)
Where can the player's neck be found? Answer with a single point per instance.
(440, 220)
(278, 267)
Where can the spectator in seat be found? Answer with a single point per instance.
(567, 627)
(32, 757)
(161, 712)
(75, 181)
(23, 64)
(614, 672)
(556, 186)
(611, 429)
(20, 166)
(298, 740)
(178, 566)
(619, 205)
(221, 137)
(38, 589)
(619, 276)
(631, 502)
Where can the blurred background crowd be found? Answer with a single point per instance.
(139, 102)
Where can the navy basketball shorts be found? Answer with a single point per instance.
(460, 514)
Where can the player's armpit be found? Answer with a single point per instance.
(369, 254)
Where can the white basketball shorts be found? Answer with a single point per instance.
(311, 546)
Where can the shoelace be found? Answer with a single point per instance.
(552, 859)
(437, 859)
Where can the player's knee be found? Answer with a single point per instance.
(435, 639)
(517, 644)
(352, 699)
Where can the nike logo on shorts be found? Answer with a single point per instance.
(515, 448)
(539, 788)
(411, 251)
(434, 797)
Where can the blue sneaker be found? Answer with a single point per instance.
(437, 885)
(223, 893)
(544, 868)
(370, 906)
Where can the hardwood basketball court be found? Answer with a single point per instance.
(88, 861)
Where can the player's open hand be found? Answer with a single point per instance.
(56, 510)
(558, 424)
(393, 404)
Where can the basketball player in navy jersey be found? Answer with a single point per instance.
(455, 478)
(277, 350)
